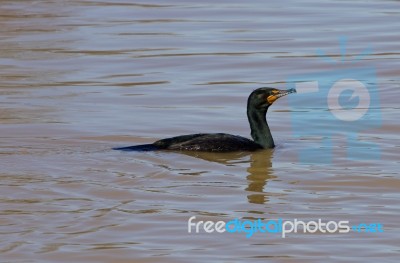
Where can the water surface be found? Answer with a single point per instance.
(81, 77)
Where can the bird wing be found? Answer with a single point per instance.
(214, 142)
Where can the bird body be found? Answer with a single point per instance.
(257, 107)
(205, 142)
(209, 142)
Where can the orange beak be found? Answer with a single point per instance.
(278, 94)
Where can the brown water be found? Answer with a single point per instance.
(81, 77)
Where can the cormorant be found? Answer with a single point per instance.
(257, 107)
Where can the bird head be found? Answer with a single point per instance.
(262, 98)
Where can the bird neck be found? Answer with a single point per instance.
(259, 127)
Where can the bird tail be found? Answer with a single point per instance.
(139, 148)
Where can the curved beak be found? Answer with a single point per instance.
(278, 94)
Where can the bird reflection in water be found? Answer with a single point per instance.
(259, 170)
